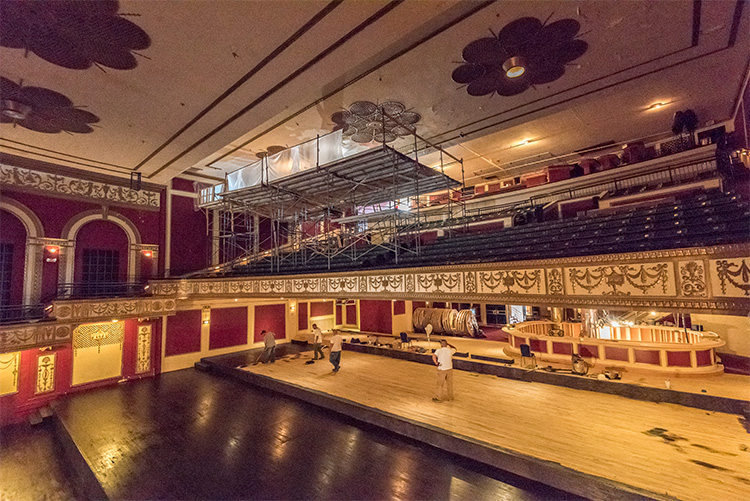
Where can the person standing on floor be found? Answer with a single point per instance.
(443, 358)
(317, 343)
(269, 353)
(335, 356)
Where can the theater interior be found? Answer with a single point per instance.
(558, 189)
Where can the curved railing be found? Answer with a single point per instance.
(643, 347)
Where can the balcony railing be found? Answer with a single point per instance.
(21, 313)
(103, 289)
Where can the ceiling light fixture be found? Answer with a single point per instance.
(525, 142)
(514, 67)
(656, 106)
(15, 110)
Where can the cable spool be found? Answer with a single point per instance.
(445, 321)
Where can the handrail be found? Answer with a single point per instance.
(101, 289)
(21, 313)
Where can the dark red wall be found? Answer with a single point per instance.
(399, 307)
(102, 235)
(12, 231)
(375, 316)
(270, 317)
(302, 316)
(351, 314)
(339, 314)
(190, 243)
(56, 212)
(183, 333)
(321, 309)
(228, 327)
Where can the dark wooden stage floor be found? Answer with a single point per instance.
(193, 435)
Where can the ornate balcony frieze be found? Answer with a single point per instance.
(34, 335)
(93, 310)
(715, 279)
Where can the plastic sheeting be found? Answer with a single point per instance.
(330, 147)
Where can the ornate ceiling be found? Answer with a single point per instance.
(206, 87)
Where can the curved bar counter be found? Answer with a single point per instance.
(651, 348)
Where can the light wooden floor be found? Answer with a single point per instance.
(683, 452)
(721, 385)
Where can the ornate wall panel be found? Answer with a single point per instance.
(97, 352)
(45, 372)
(697, 279)
(69, 186)
(731, 277)
(38, 335)
(9, 365)
(143, 358)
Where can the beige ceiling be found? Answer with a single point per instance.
(185, 106)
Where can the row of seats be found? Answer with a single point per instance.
(709, 218)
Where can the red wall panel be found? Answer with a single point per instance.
(417, 304)
(183, 333)
(339, 314)
(320, 309)
(399, 307)
(228, 327)
(14, 233)
(375, 316)
(190, 244)
(302, 316)
(270, 317)
(351, 314)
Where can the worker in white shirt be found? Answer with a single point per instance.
(443, 358)
(317, 342)
(335, 356)
(269, 341)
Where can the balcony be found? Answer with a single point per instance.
(80, 290)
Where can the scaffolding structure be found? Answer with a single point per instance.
(368, 205)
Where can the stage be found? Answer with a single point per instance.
(596, 445)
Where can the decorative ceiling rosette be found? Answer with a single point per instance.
(73, 34)
(42, 110)
(365, 122)
(526, 52)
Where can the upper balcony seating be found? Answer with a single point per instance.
(710, 218)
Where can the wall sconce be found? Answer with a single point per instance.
(51, 252)
(292, 307)
(205, 322)
(147, 253)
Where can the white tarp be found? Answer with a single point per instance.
(325, 149)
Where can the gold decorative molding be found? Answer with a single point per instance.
(24, 336)
(715, 279)
(91, 310)
(28, 179)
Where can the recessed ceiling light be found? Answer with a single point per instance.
(657, 105)
(525, 142)
(514, 67)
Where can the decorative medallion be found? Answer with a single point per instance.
(73, 34)
(365, 122)
(692, 281)
(42, 110)
(526, 52)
